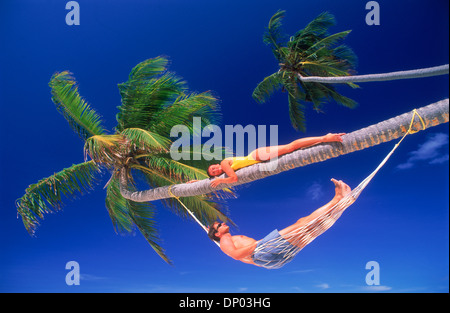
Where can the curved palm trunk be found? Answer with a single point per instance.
(418, 73)
(433, 115)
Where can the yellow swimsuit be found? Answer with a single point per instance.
(240, 162)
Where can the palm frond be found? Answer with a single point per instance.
(296, 107)
(143, 96)
(127, 216)
(274, 36)
(326, 42)
(146, 140)
(183, 110)
(315, 94)
(117, 207)
(163, 170)
(81, 117)
(46, 196)
(105, 149)
(318, 27)
(296, 114)
(317, 68)
(267, 87)
(346, 56)
(158, 176)
(143, 218)
(338, 98)
(149, 69)
(176, 169)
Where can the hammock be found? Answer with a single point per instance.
(305, 234)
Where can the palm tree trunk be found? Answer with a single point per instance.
(418, 73)
(432, 115)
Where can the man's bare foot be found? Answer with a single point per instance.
(341, 190)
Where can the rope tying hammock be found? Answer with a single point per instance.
(190, 212)
(305, 234)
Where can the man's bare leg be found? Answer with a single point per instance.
(341, 190)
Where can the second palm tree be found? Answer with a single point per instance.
(310, 52)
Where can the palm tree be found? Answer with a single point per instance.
(310, 52)
(432, 115)
(311, 60)
(153, 101)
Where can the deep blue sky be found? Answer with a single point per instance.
(400, 221)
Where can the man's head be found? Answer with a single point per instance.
(216, 230)
(214, 170)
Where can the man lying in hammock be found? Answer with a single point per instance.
(232, 164)
(279, 247)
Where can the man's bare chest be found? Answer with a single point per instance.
(240, 241)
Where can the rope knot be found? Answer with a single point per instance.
(410, 130)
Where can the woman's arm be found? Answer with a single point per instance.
(232, 177)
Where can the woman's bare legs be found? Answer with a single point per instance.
(268, 153)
